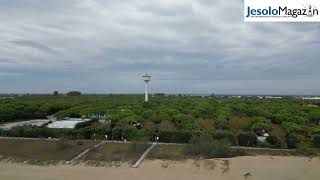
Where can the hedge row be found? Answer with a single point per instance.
(133, 134)
(117, 133)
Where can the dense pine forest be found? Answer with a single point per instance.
(290, 122)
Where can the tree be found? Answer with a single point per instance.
(203, 109)
(93, 111)
(260, 123)
(278, 132)
(248, 139)
(240, 122)
(288, 117)
(185, 122)
(205, 124)
(290, 127)
(314, 116)
(159, 94)
(7, 113)
(221, 123)
(74, 93)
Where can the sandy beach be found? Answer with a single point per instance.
(259, 167)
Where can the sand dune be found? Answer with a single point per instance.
(250, 168)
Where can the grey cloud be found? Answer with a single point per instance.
(187, 45)
(32, 44)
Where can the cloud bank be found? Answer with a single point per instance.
(188, 46)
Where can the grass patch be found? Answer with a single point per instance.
(41, 150)
(216, 150)
(124, 152)
(169, 152)
(190, 151)
(207, 147)
(202, 146)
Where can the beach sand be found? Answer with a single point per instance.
(248, 168)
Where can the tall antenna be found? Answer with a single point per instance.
(146, 79)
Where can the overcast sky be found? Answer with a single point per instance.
(188, 46)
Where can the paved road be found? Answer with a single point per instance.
(85, 152)
(144, 155)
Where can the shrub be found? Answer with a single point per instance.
(225, 136)
(44, 132)
(248, 139)
(207, 147)
(127, 132)
(2, 132)
(84, 124)
(174, 136)
(305, 144)
(316, 141)
(186, 136)
(264, 144)
(273, 141)
(279, 133)
(142, 135)
(292, 141)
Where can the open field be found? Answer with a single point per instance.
(241, 168)
(172, 152)
(180, 152)
(37, 151)
(116, 152)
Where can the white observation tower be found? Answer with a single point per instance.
(146, 79)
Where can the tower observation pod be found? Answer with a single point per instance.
(146, 79)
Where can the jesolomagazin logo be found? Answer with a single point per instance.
(281, 10)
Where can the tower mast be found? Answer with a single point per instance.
(146, 79)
